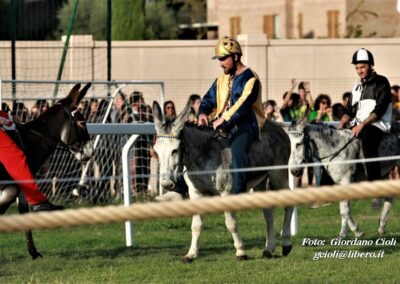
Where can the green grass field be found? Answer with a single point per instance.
(97, 254)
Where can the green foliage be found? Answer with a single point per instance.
(128, 20)
(90, 19)
(97, 254)
(161, 22)
(132, 19)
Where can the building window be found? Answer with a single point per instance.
(333, 23)
(300, 25)
(271, 26)
(235, 26)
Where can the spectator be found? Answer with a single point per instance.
(83, 107)
(345, 98)
(290, 110)
(338, 111)
(322, 110)
(92, 113)
(20, 112)
(295, 105)
(395, 91)
(141, 113)
(38, 108)
(169, 111)
(305, 94)
(195, 100)
(5, 107)
(270, 111)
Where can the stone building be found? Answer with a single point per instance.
(290, 19)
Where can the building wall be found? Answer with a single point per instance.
(385, 25)
(314, 16)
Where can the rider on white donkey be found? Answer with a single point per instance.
(236, 97)
(369, 109)
(14, 161)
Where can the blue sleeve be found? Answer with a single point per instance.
(246, 107)
(209, 101)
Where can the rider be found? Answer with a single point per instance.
(369, 109)
(236, 97)
(14, 161)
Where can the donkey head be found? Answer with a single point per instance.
(167, 144)
(68, 125)
(297, 146)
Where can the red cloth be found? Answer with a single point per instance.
(14, 161)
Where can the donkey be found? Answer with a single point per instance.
(328, 145)
(61, 125)
(200, 149)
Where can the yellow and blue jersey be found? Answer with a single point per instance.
(245, 101)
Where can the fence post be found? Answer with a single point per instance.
(127, 186)
(294, 224)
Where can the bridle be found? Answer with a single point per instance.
(180, 153)
(308, 149)
(67, 146)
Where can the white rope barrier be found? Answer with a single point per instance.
(209, 205)
(250, 169)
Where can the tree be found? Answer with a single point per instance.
(128, 20)
(90, 19)
(161, 22)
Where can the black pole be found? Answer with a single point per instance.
(13, 35)
(109, 15)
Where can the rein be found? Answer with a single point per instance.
(333, 155)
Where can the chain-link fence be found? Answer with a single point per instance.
(105, 103)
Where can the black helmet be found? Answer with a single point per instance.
(363, 56)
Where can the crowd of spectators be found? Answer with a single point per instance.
(133, 109)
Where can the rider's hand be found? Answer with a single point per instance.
(218, 122)
(357, 130)
(202, 120)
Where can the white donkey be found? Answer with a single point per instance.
(200, 149)
(329, 145)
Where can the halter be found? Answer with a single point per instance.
(180, 157)
(172, 136)
(61, 145)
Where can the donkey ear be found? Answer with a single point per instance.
(182, 117)
(158, 116)
(73, 94)
(83, 92)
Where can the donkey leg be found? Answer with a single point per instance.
(23, 207)
(231, 225)
(270, 240)
(7, 197)
(286, 232)
(384, 215)
(347, 219)
(197, 225)
(344, 214)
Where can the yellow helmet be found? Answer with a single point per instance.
(227, 46)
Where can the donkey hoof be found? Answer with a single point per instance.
(286, 250)
(241, 257)
(381, 232)
(267, 254)
(187, 259)
(358, 234)
(36, 254)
